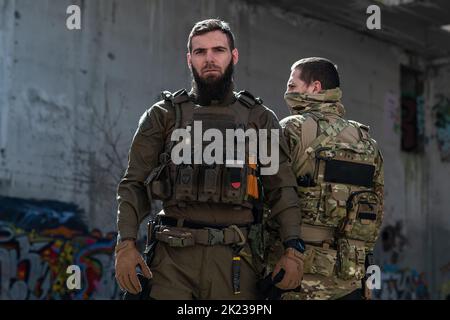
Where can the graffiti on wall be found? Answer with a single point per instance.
(413, 123)
(39, 240)
(393, 242)
(441, 113)
(391, 114)
(445, 287)
(402, 284)
(399, 283)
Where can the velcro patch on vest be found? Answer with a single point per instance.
(367, 216)
(345, 172)
(235, 177)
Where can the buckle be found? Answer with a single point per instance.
(175, 242)
(242, 239)
(215, 236)
(360, 255)
(164, 158)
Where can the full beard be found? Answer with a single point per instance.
(210, 88)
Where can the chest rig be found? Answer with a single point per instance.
(204, 183)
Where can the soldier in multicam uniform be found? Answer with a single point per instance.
(339, 171)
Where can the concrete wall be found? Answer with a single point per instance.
(437, 203)
(70, 101)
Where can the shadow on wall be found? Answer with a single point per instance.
(39, 240)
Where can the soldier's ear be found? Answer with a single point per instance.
(235, 55)
(317, 86)
(188, 59)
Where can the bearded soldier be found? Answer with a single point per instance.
(339, 172)
(203, 240)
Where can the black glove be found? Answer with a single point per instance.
(267, 287)
(146, 285)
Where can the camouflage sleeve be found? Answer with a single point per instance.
(279, 188)
(292, 131)
(291, 141)
(147, 144)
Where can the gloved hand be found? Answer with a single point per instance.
(127, 258)
(292, 263)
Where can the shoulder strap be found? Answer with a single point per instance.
(364, 135)
(181, 96)
(175, 100)
(310, 130)
(328, 132)
(247, 99)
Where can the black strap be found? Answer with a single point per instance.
(181, 96)
(247, 99)
(367, 216)
(175, 100)
(173, 222)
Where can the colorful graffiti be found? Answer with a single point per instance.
(39, 240)
(445, 287)
(398, 283)
(441, 112)
(402, 284)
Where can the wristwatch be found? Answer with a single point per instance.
(297, 244)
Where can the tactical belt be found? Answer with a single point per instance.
(188, 233)
(316, 234)
(181, 223)
(320, 235)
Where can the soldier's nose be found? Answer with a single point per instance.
(210, 57)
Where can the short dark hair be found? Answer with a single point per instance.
(209, 25)
(318, 69)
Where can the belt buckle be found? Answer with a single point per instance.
(215, 236)
(176, 242)
(242, 239)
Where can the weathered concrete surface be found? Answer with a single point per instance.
(70, 101)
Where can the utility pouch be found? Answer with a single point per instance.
(158, 182)
(209, 184)
(310, 203)
(363, 217)
(351, 259)
(319, 260)
(186, 183)
(234, 184)
(335, 202)
(175, 238)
